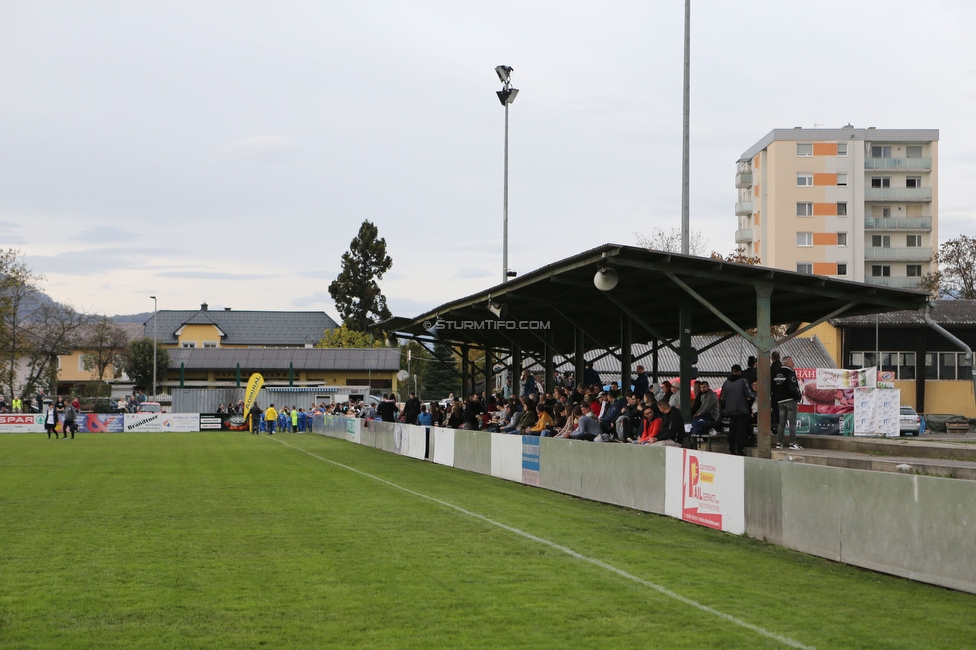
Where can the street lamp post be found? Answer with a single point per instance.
(155, 313)
(506, 96)
(685, 144)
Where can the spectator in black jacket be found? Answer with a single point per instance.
(786, 394)
(736, 400)
(411, 409)
(472, 412)
(386, 410)
(641, 383)
(672, 428)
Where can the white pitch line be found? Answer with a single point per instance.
(570, 552)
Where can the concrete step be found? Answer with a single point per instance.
(852, 460)
(961, 448)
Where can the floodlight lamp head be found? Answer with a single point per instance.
(507, 96)
(605, 279)
(504, 73)
(498, 309)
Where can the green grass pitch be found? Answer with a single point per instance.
(227, 540)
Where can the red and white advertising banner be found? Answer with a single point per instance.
(705, 488)
(21, 423)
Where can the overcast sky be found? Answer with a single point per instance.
(228, 151)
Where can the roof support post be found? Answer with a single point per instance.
(550, 383)
(764, 343)
(654, 365)
(686, 354)
(626, 344)
(291, 373)
(182, 374)
(516, 371)
(489, 373)
(465, 387)
(580, 356)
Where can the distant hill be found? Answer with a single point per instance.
(133, 318)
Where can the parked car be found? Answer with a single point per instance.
(910, 422)
(150, 407)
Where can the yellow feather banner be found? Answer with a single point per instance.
(254, 385)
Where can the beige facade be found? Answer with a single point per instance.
(854, 204)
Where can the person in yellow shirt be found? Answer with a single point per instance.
(270, 419)
(543, 422)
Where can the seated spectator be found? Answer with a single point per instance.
(529, 417)
(650, 427)
(612, 409)
(672, 426)
(675, 399)
(456, 418)
(542, 423)
(570, 425)
(587, 427)
(708, 412)
(559, 417)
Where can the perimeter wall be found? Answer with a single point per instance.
(917, 527)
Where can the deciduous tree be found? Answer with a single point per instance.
(346, 337)
(138, 362)
(956, 277)
(355, 291)
(670, 241)
(18, 301)
(104, 345)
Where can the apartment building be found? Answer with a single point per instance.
(854, 204)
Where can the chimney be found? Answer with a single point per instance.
(226, 308)
(203, 307)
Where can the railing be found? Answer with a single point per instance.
(897, 283)
(743, 236)
(898, 164)
(743, 208)
(898, 194)
(913, 254)
(898, 223)
(743, 179)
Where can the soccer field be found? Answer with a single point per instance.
(239, 541)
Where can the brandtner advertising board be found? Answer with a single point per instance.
(177, 422)
(706, 489)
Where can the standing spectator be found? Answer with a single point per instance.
(750, 373)
(641, 383)
(528, 383)
(39, 401)
(270, 419)
(411, 409)
(590, 376)
(17, 404)
(786, 394)
(472, 410)
(735, 400)
(386, 410)
(425, 419)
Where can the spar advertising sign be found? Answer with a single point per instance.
(706, 489)
(21, 423)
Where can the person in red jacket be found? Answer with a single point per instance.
(651, 427)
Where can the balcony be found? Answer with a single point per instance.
(898, 164)
(743, 208)
(743, 236)
(913, 254)
(743, 180)
(898, 193)
(922, 224)
(897, 283)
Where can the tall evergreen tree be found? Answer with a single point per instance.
(355, 291)
(439, 379)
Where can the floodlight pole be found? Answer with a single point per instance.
(155, 313)
(686, 115)
(506, 96)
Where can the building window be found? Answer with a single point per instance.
(914, 270)
(841, 269)
(804, 179)
(879, 271)
(913, 151)
(81, 362)
(188, 344)
(913, 181)
(804, 149)
(842, 149)
(804, 239)
(842, 180)
(881, 151)
(881, 181)
(881, 241)
(914, 241)
(804, 267)
(804, 209)
(842, 208)
(210, 344)
(842, 239)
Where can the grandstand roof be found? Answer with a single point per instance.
(944, 312)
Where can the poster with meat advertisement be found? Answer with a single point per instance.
(826, 408)
(705, 488)
(840, 379)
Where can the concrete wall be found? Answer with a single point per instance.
(918, 527)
